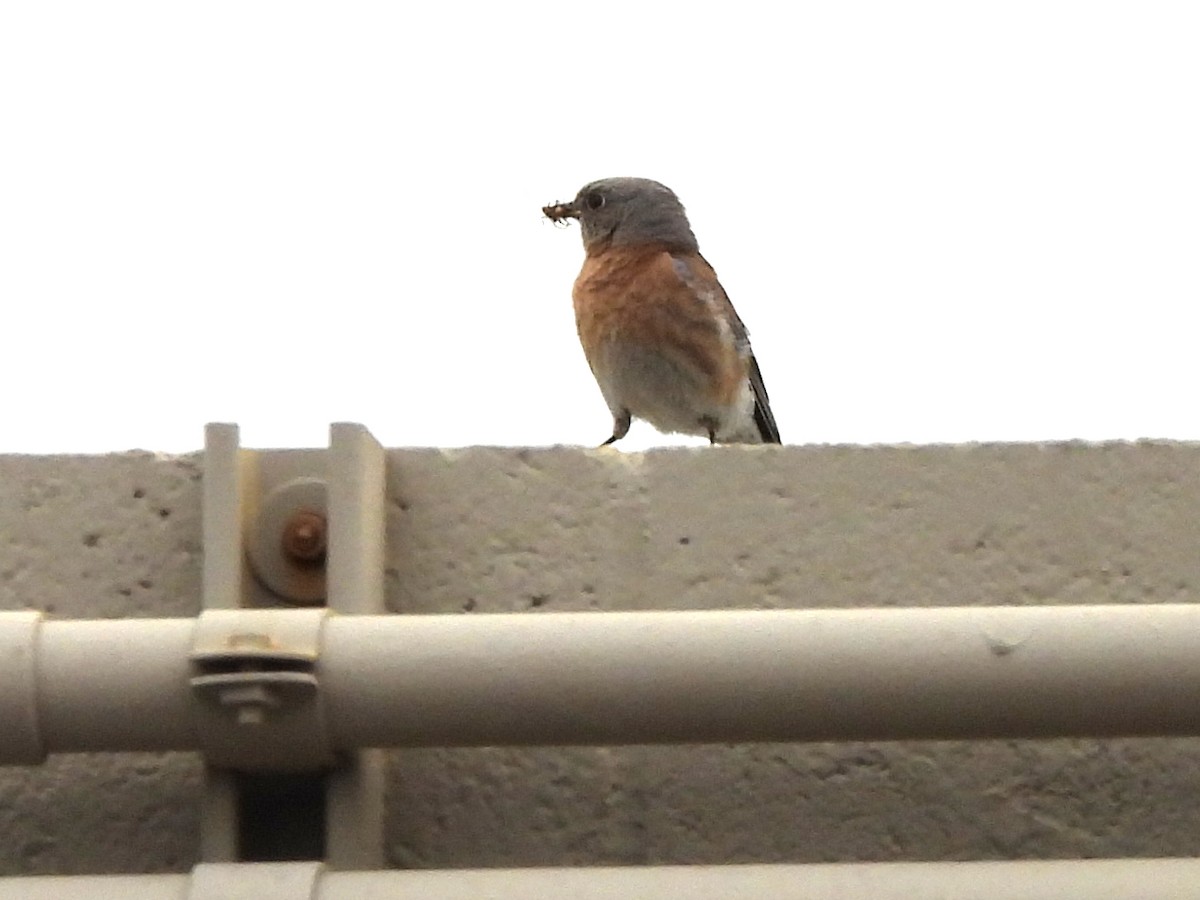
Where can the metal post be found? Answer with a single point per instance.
(229, 477)
(357, 491)
(270, 540)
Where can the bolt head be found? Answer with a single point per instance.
(305, 537)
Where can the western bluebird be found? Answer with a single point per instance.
(657, 328)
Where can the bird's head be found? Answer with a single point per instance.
(625, 211)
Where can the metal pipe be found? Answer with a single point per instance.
(65, 887)
(115, 685)
(764, 675)
(642, 677)
(1113, 879)
(20, 736)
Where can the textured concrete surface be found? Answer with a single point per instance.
(543, 530)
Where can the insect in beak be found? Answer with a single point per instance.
(558, 213)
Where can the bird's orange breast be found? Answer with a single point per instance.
(636, 296)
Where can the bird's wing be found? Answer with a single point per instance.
(763, 417)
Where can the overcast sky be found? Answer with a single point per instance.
(940, 221)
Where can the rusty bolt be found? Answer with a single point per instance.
(305, 536)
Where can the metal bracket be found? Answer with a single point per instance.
(256, 673)
(301, 528)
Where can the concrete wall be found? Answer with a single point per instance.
(486, 530)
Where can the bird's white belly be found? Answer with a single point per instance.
(668, 395)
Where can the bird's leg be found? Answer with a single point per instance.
(710, 424)
(620, 427)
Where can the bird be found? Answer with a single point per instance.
(659, 332)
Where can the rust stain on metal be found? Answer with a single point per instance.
(305, 537)
(250, 639)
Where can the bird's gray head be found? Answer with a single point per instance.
(622, 211)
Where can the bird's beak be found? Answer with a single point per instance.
(560, 212)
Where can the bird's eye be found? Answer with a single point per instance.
(594, 200)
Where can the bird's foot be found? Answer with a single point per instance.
(620, 427)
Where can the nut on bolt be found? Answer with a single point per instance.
(305, 537)
(251, 702)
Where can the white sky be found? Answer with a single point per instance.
(940, 221)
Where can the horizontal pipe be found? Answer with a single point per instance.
(1113, 879)
(127, 887)
(116, 685)
(644, 677)
(764, 675)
